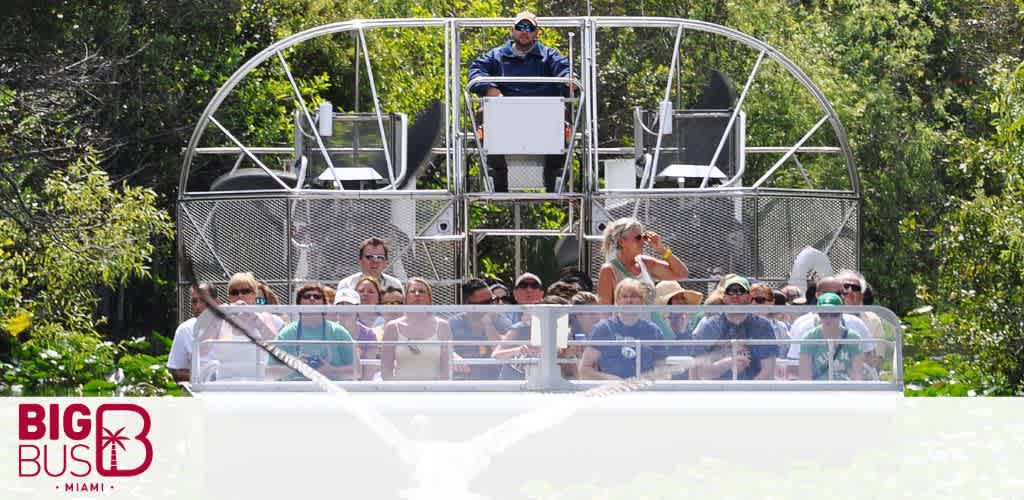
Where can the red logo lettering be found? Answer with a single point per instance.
(111, 439)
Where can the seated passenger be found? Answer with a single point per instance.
(373, 259)
(416, 361)
(521, 331)
(478, 326)
(502, 295)
(807, 322)
(762, 295)
(573, 275)
(528, 289)
(179, 360)
(751, 361)
(854, 289)
(237, 360)
(847, 360)
(619, 361)
(581, 324)
(563, 289)
(335, 361)
(346, 315)
(265, 295)
(369, 295)
(678, 325)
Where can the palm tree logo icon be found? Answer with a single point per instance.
(113, 440)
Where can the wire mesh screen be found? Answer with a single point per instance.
(756, 236)
(287, 242)
(228, 236)
(787, 225)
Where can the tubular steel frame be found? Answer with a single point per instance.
(455, 150)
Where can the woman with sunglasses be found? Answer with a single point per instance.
(762, 295)
(623, 245)
(233, 359)
(411, 361)
(336, 361)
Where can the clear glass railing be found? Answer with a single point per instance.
(550, 348)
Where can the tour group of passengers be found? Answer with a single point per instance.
(628, 277)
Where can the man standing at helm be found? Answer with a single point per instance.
(522, 55)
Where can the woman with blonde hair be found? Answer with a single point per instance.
(413, 361)
(619, 361)
(236, 360)
(623, 245)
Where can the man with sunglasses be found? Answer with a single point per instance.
(750, 361)
(373, 259)
(522, 55)
(478, 327)
(806, 323)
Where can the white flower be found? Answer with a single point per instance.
(154, 367)
(16, 389)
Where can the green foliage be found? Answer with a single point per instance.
(76, 232)
(980, 242)
(56, 362)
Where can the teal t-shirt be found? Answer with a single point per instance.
(842, 356)
(340, 354)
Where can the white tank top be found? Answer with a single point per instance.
(418, 361)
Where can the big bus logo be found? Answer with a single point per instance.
(57, 441)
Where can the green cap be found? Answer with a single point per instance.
(829, 299)
(738, 280)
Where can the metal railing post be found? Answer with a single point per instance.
(547, 375)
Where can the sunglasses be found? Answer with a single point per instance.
(394, 303)
(852, 287)
(239, 291)
(379, 258)
(760, 300)
(526, 27)
(528, 284)
(829, 315)
(312, 296)
(735, 291)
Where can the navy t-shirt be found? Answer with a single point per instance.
(717, 327)
(621, 360)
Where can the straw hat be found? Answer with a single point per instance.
(665, 290)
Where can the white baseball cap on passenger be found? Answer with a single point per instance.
(347, 296)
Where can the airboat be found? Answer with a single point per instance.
(710, 136)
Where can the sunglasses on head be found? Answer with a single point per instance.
(526, 27)
(761, 300)
(735, 290)
(852, 287)
(312, 296)
(376, 257)
(528, 284)
(239, 291)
